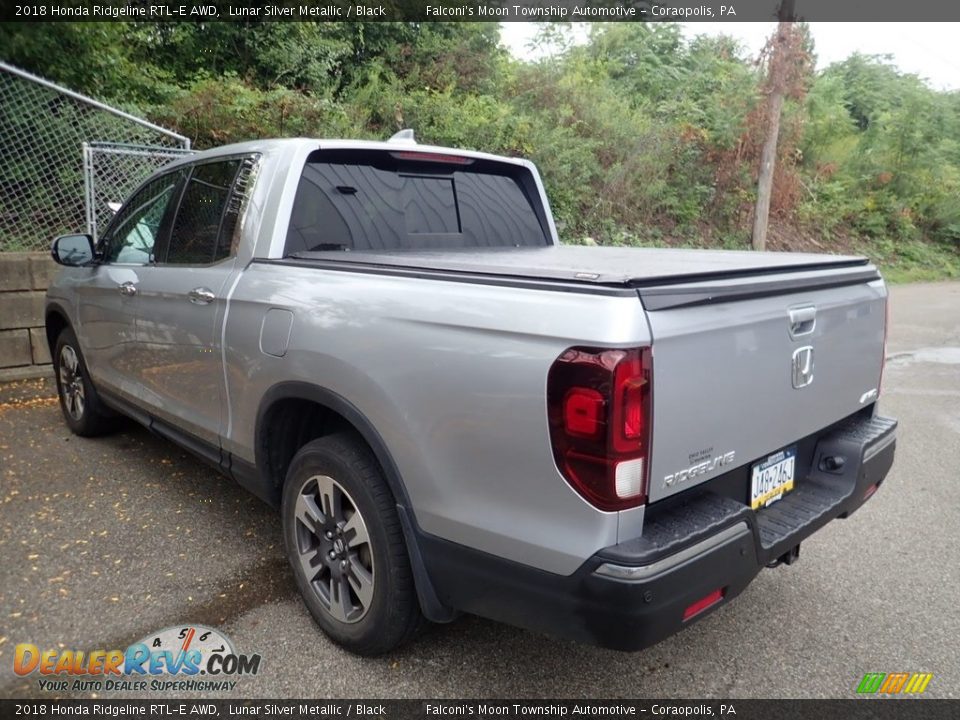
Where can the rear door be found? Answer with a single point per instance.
(738, 380)
(181, 301)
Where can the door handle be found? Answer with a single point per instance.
(127, 289)
(201, 296)
(802, 320)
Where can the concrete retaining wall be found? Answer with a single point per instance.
(23, 343)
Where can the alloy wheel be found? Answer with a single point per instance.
(71, 382)
(333, 547)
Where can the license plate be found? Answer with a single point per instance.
(772, 478)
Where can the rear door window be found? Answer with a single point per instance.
(381, 203)
(197, 236)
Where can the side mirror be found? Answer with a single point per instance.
(73, 250)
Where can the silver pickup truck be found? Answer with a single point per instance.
(456, 413)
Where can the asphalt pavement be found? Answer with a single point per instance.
(104, 541)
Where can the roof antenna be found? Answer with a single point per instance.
(404, 136)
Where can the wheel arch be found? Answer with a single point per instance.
(55, 321)
(327, 399)
(278, 396)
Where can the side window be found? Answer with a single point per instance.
(202, 232)
(132, 235)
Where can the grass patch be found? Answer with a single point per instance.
(905, 261)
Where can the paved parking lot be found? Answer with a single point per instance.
(103, 541)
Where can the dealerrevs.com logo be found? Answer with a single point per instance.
(184, 658)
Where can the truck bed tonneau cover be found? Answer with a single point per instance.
(598, 266)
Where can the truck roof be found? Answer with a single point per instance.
(309, 144)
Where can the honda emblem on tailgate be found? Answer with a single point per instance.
(803, 366)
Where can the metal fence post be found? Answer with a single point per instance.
(88, 189)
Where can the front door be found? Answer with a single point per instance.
(108, 297)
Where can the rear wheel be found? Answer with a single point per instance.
(345, 544)
(82, 408)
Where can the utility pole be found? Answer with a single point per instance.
(776, 86)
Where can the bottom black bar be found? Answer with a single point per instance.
(861, 708)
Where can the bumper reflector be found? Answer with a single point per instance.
(702, 604)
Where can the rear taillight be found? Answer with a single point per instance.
(598, 404)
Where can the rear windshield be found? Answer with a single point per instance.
(376, 201)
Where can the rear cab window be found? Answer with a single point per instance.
(408, 200)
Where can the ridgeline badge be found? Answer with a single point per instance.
(168, 660)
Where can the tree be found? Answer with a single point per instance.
(776, 89)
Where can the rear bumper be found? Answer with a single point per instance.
(632, 595)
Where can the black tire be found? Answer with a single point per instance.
(83, 411)
(330, 559)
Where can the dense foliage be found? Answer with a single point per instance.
(642, 135)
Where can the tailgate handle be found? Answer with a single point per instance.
(802, 320)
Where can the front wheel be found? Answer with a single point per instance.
(345, 544)
(82, 409)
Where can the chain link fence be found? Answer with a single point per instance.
(50, 183)
(114, 170)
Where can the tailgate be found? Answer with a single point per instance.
(743, 368)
